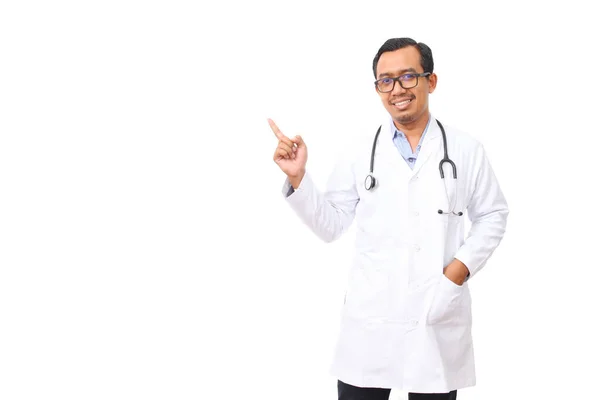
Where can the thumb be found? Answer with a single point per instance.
(299, 141)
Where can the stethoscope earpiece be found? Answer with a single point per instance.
(451, 212)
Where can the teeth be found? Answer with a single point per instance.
(402, 103)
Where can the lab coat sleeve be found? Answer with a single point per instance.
(488, 212)
(327, 213)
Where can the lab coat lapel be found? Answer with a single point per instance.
(430, 145)
(388, 148)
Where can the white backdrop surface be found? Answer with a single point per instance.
(146, 251)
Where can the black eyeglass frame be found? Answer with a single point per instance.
(398, 79)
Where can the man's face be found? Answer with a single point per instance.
(405, 105)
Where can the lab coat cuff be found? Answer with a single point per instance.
(290, 193)
(463, 256)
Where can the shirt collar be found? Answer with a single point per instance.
(396, 132)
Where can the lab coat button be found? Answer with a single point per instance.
(416, 213)
(417, 248)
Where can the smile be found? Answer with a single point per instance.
(401, 105)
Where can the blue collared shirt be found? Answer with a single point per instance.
(403, 145)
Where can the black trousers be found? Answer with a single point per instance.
(349, 392)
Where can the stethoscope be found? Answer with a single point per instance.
(371, 182)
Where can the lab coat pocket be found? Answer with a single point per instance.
(449, 305)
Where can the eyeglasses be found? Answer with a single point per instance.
(407, 81)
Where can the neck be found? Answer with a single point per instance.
(413, 129)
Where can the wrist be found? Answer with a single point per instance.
(457, 271)
(296, 179)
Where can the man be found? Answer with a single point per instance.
(406, 320)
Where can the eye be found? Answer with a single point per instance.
(387, 81)
(407, 77)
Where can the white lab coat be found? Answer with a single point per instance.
(404, 325)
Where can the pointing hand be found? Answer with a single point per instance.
(290, 155)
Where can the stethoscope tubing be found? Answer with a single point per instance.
(371, 181)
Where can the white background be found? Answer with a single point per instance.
(146, 251)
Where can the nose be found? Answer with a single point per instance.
(398, 89)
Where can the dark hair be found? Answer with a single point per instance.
(399, 43)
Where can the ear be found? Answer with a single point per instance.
(432, 82)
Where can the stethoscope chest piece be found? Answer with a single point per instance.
(370, 182)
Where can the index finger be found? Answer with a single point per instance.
(275, 129)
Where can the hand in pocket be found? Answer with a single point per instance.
(448, 305)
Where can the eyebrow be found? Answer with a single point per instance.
(402, 71)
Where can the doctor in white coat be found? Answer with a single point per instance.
(406, 318)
